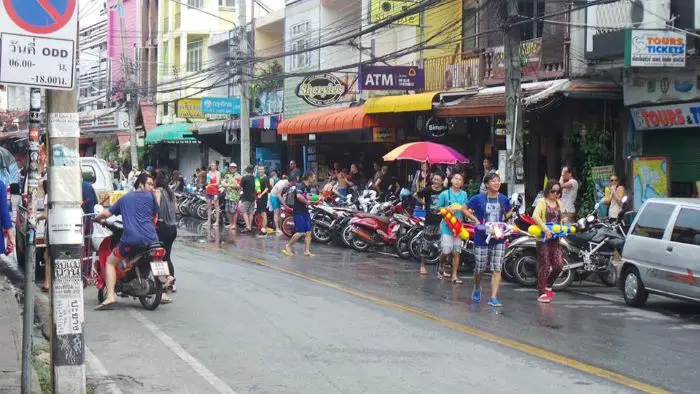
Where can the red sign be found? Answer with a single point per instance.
(40, 16)
(666, 116)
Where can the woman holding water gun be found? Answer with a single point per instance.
(550, 257)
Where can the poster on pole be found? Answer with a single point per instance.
(650, 178)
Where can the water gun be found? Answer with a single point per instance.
(313, 197)
(454, 224)
(557, 230)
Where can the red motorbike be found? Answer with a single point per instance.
(376, 230)
(142, 276)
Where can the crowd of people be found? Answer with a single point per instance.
(254, 191)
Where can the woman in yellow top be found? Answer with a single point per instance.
(613, 196)
(550, 257)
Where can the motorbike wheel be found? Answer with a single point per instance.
(347, 236)
(525, 269)
(320, 234)
(415, 245)
(403, 247)
(507, 270)
(609, 275)
(288, 226)
(565, 279)
(202, 211)
(359, 245)
(151, 303)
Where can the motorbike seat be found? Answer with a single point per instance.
(370, 216)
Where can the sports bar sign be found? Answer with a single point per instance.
(674, 116)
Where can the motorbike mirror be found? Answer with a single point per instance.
(590, 219)
(99, 209)
(597, 205)
(581, 224)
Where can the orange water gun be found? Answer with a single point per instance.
(454, 224)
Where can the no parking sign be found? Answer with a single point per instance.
(37, 42)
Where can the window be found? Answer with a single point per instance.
(165, 109)
(301, 28)
(531, 9)
(227, 3)
(687, 227)
(194, 56)
(196, 3)
(653, 220)
(88, 173)
(302, 59)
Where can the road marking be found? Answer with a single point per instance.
(99, 370)
(510, 343)
(205, 373)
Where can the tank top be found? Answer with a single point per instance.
(552, 215)
(213, 184)
(167, 209)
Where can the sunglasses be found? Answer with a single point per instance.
(613, 179)
(555, 191)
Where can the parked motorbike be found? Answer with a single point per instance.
(142, 276)
(375, 230)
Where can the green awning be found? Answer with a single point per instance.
(175, 133)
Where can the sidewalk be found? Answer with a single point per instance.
(11, 342)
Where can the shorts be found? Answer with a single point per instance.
(431, 233)
(302, 223)
(247, 207)
(490, 256)
(261, 206)
(231, 206)
(125, 252)
(450, 244)
(342, 192)
(275, 203)
(212, 197)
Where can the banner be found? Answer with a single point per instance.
(189, 109)
(649, 87)
(391, 78)
(382, 9)
(655, 48)
(650, 178)
(674, 116)
(601, 180)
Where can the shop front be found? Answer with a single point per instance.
(667, 137)
(173, 146)
(342, 135)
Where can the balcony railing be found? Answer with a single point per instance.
(178, 21)
(458, 71)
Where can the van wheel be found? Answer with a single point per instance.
(633, 290)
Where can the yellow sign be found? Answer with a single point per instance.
(383, 135)
(189, 109)
(382, 9)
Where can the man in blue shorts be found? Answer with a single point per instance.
(138, 210)
(302, 219)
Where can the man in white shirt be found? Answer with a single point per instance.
(569, 193)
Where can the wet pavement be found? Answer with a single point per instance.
(248, 319)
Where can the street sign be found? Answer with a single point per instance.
(38, 43)
(221, 105)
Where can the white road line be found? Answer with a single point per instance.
(99, 370)
(205, 373)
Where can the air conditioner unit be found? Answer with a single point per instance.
(637, 14)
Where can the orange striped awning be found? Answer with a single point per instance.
(329, 121)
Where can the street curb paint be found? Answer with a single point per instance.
(509, 343)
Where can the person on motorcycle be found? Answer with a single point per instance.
(428, 198)
(491, 206)
(138, 210)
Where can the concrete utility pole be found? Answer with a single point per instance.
(131, 96)
(30, 258)
(514, 117)
(65, 234)
(245, 70)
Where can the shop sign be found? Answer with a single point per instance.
(104, 120)
(271, 102)
(649, 87)
(530, 60)
(221, 105)
(383, 135)
(675, 116)
(391, 78)
(321, 90)
(436, 127)
(189, 109)
(383, 9)
(655, 48)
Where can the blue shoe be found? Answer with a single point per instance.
(493, 301)
(476, 295)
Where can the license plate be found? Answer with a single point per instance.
(160, 268)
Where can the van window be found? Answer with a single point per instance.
(653, 220)
(687, 227)
(89, 174)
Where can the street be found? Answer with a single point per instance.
(247, 319)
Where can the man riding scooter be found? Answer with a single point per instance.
(138, 210)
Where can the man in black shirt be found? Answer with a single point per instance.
(302, 219)
(248, 197)
(294, 172)
(428, 197)
(262, 188)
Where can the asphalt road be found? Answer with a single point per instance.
(248, 320)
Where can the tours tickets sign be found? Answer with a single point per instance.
(655, 48)
(321, 90)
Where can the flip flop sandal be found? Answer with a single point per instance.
(287, 253)
(457, 281)
(166, 301)
(106, 306)
(423, 273)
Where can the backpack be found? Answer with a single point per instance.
(290, 195)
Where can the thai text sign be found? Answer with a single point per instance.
(391, 78)
(674, 116)
(655, 48)
(221, 105)
(383, 9)
(530, 59)
(189, 109)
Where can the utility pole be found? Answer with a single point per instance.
(243, 81)
(131, 97)
(65, 233)
(30, 258)
(514, 117)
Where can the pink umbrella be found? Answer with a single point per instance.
(428, 152)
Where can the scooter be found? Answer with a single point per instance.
(142, 276)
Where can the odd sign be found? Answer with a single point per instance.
(38, 43)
